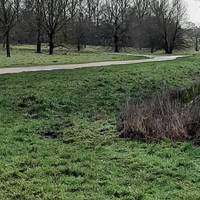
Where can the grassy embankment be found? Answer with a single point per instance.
(59, 141)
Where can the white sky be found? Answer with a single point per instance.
(193, 7)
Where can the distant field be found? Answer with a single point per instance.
(25, 56)
(59, 141)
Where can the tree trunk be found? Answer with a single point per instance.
(51, 43)
(4, 44)
(116, 43)
(168, 51)
(79, 45)
(196, 44)
(152, 49)
(39, 42)
(168, 48)
(8, 44)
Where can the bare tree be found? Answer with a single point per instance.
(93, 10)
(75, 18)
(38, 12)
(170, 16)
(92, 21)
(80, 33)
(141, 9)
(152, 34)
(97, 11)
(69, 22)
(115, 13)
(8, 17)
(34, 8)
(195, 35)
(90, 9)
(53, 12)
(71, 10)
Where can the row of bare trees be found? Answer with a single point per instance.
(139, 23)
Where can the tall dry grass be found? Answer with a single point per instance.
(162, 116)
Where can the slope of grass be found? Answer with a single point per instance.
(26, 56)
(59, 141)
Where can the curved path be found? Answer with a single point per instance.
(86, 65)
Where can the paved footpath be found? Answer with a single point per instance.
(86, 65)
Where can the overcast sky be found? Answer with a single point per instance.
(193, 7)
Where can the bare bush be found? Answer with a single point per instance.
(193, 122)
(161, 117)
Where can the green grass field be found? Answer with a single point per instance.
(59, 141)
(26, 56)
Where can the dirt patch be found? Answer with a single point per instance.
(34, 107)
(54, 129)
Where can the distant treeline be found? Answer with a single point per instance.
(154, 24)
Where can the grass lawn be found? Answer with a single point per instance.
(26, 56)
(59, 141)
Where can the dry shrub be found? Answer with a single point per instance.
(193, 121)
(161, 117)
